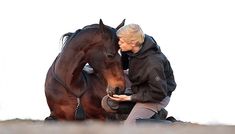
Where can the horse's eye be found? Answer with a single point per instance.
(110, 55)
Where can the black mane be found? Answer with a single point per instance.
(67, 37)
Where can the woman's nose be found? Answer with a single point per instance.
(119, 43)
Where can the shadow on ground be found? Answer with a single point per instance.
(18, 126)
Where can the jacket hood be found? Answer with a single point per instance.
(149, 47)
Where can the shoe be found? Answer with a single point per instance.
(161, 115)
(172, 119)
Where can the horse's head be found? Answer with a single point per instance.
(102, 54)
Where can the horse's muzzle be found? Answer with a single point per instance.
(111, 91)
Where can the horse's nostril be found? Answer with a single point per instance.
(117, 90)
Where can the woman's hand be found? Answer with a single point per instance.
(120, 97)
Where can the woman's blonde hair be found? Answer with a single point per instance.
(131, 33)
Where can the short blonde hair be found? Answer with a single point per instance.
(131, 33)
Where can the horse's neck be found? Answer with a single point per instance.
(68, 65)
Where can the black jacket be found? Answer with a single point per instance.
(150, 73)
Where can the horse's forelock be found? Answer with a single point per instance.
(108, 30)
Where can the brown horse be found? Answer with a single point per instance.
(96, 44)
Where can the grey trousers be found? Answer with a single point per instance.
(145, 110)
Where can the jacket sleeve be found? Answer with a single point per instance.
(156, 88)
(171, 84)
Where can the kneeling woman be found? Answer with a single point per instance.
(149, 71)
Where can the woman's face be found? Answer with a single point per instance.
(124, 46)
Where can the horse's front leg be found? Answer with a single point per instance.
(62, 106)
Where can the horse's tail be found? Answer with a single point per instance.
(66, 38)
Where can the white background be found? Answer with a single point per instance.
(198, 37)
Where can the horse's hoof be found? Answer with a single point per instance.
(50, 118)
(109, 105)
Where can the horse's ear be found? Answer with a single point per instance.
(101, 25)
(120, 25)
